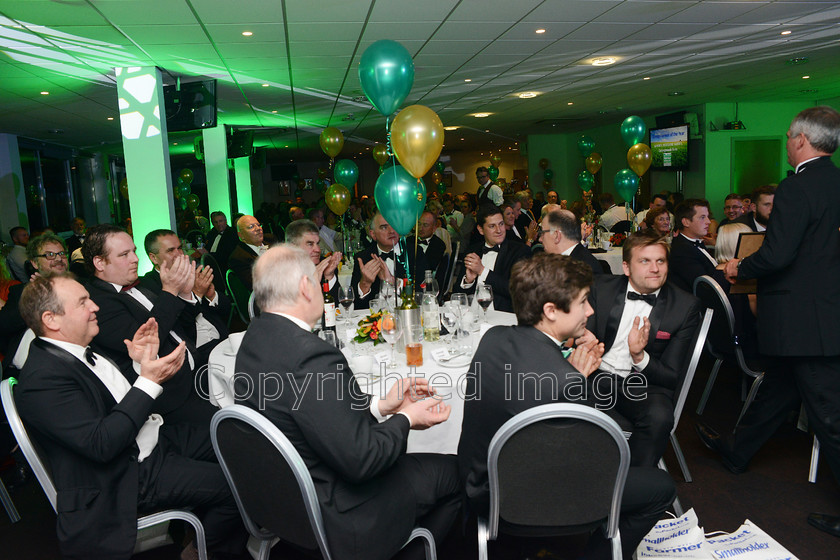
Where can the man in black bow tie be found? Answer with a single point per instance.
(383, 261)
(647, 327)
(689, 257)
(491, 260)
(432, 246)
(797, 268)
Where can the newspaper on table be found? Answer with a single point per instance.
(683, 538)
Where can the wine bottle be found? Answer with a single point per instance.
(328, 319)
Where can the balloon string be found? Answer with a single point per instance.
(388, 135)
(331, 162)
(404, 258)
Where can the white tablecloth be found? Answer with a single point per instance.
(449, 379)
(612, 258)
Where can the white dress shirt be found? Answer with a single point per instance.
(617, 360)
(701, 249)
(119, 387)
(389, 262)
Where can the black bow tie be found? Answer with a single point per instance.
(494, 249)
(132, 285)
(89, 356)
(699, 243)
(650, 299)
(388, 255)
(424, 242)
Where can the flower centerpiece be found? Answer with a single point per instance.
(617, 240)
(370, 329)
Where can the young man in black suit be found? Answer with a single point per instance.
(550, 297)
(797, 268)
(647, 327)
(491, 260)
(306, 235)
(383, 260)
(560, 235)
(433, 247)
(371, 493)
(689, 257)
(221, 240)
(250, 246)
(110, 456)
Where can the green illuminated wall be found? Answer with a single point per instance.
(242, 172)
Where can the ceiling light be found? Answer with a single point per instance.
(265, 85)
(786, 32)
(486, 130)
(481, 115)
(540, 31)
(676, 93)
(247, 33)
(805, 77)
(808, 90)
(110, 118)
(570, 103)
(646, 78)
(174, 143)
(274, 111)
(450, 128)
(467, 80)
(461, 138)
(604, 61)
(45, 93)
(528, 94)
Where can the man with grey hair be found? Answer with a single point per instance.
(797, 268)
(305, 234)
(560, 235)
(372, 494)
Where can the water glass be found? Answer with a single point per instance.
(375, 305)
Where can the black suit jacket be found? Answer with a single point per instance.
(687, 263)
(748, 219)
(367, 514)
(88, 442)
(74, 242)
(217, 315)
(798, 266)
(226, 245)
(673, 323)
(12, 326)
(416, 264)
(241, 262)
(120, 315)
(435, 256)
(510, 252)
(530, 352)
(583, 254)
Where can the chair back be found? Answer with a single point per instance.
(278, 498)
(239, 295)
(27, 446)
(696, 352)
(624, 226)
(253, 308)
(557, 466)
(450, 270)
(721, 339)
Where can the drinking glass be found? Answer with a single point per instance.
(388, 295)
(459, 299)
(414, 349)
(390, 332)
(450, 315)
(328, 337)
(375, 305)
(484, 295)
(345, 297)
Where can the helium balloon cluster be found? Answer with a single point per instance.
(592, 161)
(184, 197)
(626, 181)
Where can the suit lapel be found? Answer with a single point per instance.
(612, 308)
(84, 374)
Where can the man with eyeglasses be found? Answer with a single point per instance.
(48, 256)
(250, 246)
(733, 208)
(488, 191)
(560, 234)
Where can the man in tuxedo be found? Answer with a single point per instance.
(647, 327)
(488, 191)
(250, 246)
(733, 208)
(222, 239)
(371, 493)
(762, 200)
(491, 260)
(110, 456)
(550, 296)
(434, 249)
(382, 261)
(124, 306)
(524, 217)
(206, 322)
(797, 268)
(689, 257)
(78, 236)
(305, 234)
(560, 235)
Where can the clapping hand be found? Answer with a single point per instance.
(638, 338)
(146, 335)
(178, 278)
(203, 285)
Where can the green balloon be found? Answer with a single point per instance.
(400, 198)
(386, 72)
(192, 201)
(633, 130)
(346, 172)
(585, 180)
(184, 190)
(626, 182)
(585, 145)
(182, 202)
(548, 174)
(441, 187)
(493, 171)
(381, 169)
(440, 166)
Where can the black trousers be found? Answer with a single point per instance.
(182, 473)
(814, 381)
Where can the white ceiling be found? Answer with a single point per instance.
(308, 51)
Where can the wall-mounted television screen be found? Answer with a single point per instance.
(669, 147)
(190, 107)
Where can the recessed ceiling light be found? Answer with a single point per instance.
(247, 33)
(274, 111)
(676, 93)
(45, 93)
(486, 130)
(528, 94)
(481, 115)
(467, 80)
(786, 32)
(265, 85)
(174, 143)
(461, 138)
(646, 78)
(450, 128)
(110, 118)
(540, 31)
(570, 103)
(805, 77)
(604, 61)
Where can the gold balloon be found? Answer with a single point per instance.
(337, 198)
(332, 140)
(380, 153)
(593, 162)
(437, 177)
(639, 158)
(417, 139)
(495, 160)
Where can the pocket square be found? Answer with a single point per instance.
(662, 335)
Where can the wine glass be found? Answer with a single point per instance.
(345, 297)
(450, 314)
(390, 332)
(459, 299)
(375, 305)
(387, 293)
(484, 295)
